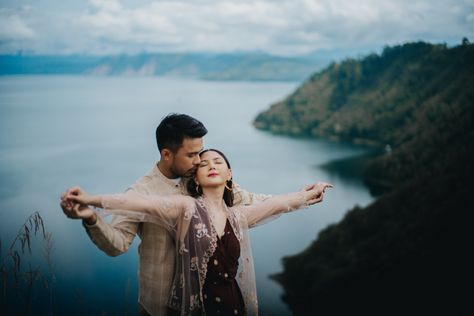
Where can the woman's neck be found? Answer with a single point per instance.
(214, 196)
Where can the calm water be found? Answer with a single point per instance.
(56, 132)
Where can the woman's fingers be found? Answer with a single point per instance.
(319, 189)
(74, 191)
(328, 185)
(75, 195)
(315, 200)
(73, 203)
(309, 187)
(324, 185)
(74, 198)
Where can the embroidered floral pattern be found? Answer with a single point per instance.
(233, 217)
(194, 263)
(208, 254)
(194, 302)
(201, 230)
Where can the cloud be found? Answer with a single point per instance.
(13, 26)
(110, 5)
(278, 26)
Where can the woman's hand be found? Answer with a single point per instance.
(77, 195)
(316, 192)
(74, 206)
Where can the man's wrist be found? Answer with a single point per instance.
(92, 220)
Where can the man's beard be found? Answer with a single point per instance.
(188, 173)
(191, 172)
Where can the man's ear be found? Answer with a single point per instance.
(166, 154)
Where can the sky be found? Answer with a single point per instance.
(281, 27)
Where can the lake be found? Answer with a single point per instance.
(98, 132)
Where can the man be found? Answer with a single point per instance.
(180, 139)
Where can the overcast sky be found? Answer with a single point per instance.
(285, 27)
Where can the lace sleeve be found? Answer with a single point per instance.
(259, 212)
(163, 210)
(243, 197)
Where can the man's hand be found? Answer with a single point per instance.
(77, 210)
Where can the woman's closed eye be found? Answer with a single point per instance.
(217, 161)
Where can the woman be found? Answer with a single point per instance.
(214, 271)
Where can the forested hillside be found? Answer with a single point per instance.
(408, 252)
(409, 98)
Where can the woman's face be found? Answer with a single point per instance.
(213, 170)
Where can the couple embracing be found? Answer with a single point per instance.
(193, 222)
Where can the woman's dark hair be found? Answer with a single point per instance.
(174, 128)
(196, 191)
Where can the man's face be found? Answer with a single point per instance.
(186, 159)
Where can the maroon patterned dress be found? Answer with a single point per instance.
(221, 292)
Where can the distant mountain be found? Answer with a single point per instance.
(408, 252)
(238, 66)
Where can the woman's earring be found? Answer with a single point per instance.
(230, 189)
(197, 189)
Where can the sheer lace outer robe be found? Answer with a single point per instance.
(196, 239)
(156, 248)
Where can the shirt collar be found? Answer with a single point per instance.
(178, 182)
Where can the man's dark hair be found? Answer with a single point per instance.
(174, 128)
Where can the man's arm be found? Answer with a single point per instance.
(114, 238)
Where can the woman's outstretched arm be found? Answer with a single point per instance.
(152, 208)
(278, 204)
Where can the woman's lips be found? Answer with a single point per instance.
(212, 174)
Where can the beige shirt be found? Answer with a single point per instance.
(157, 249)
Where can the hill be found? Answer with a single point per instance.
(407, 98)
(407, 253)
